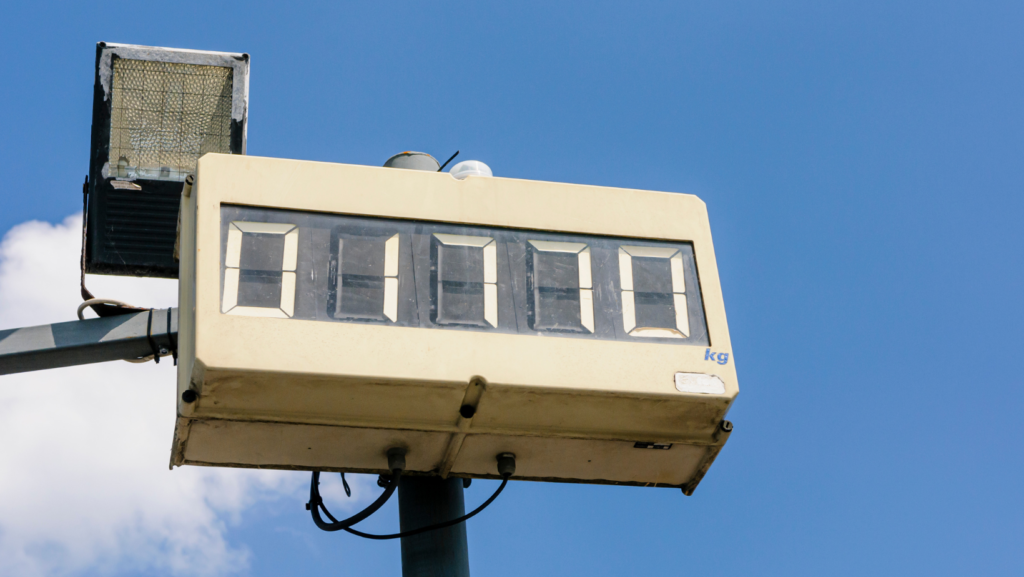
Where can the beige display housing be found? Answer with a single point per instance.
(287, 393)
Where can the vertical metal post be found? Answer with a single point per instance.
(425, 501)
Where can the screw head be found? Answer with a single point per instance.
(727, 426)
(189, 396)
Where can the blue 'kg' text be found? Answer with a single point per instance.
(720, 358)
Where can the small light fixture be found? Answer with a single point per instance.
(470, 168)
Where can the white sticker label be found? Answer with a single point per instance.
(699, 383)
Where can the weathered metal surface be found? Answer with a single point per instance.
(90, 341)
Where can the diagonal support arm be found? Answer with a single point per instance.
(131, 336)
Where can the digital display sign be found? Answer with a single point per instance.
(336, 268)
(331, 312)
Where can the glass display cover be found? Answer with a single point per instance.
(347, 269)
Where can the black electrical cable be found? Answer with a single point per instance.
(316, 503)
(344, 483)
(411, 532)
(396, 460)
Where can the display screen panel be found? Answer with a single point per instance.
(348, 269)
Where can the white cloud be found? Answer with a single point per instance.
(84, 482)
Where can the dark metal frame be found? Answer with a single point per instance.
(152, 209)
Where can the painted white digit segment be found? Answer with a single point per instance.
(586, 291)
(391, 278)
(490, 279)
(582, 252)
(232, 272)
(234, 255)
(675, 258)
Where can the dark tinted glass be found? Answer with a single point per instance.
(470, 278)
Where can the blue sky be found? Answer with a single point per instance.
(862, 163)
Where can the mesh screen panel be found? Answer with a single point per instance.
(165, 115)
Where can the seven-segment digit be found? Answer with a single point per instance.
(259, 273)
(464, 287)
(561, 295)
(653, 292)
(365, 276)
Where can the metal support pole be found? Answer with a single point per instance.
(425, 501)
(99, 340)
